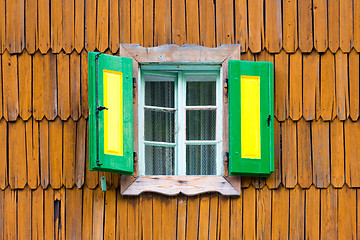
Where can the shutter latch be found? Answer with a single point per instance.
(268, 120)
(100, 108)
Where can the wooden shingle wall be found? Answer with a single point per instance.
(46, 188)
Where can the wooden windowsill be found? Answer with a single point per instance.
(187, 185)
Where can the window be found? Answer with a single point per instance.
(180, 119)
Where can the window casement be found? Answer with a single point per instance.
(161, 117)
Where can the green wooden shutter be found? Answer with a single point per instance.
(111, 129)
(251, 116)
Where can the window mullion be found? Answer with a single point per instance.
(141, 103)
(181, 147)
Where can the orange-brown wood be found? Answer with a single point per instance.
(273, 26)
(1, 93)
(204, 213)
(157, 234)
(51, 214)
(3, 154)
(346, 213)
(15, 37)
(192, 22)
(63, 90)
(38, 86)
(114, 28)
(290, 25)
(43, 25)
(162, 22)
(98, 214)
(50, 88)
(337, 153)
(56, 152)
(305, 25)
(10, 217)
(75, 101)
(310, 81)
(110, 214)
(312, 211)
(192, 217)
(146, 216)
(133, 218)
(235, 217)
(2, 26)
(148, 23)
(168, 218)
(352, 152)
(297, 213)
(125, 21)
(289, 156)
(346, 25)
(24, 213)
(263, 213)
(224, 22)
(181, 217)
(207, 23)
(327, 82)
(275, 178)
(37, 211)
(10, 86)
(2, 206)
(80, 154)
(69, 150)
(249, 213)
(280, 213)
(256, 25)
(84, 85)
(57, 25)
(87, 213)
(329, 213)
(79, 30)
(73, 213)
(341, 86)
(357, 212)
(321, 41)
(213, 216)
(91, 177)
(303, 129)
(281, 82)
(44, 153)
(241, 25)
(357, 25)
(224, 217)
(295, 86)
(32, 149)
(334, 24)
(90, 25)
(69, 25)
(102, 25)
(31, 27)
(17, 154)
(354, 85)
(122, 221)
(137, 14)
(25, 83)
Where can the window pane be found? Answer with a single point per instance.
(159, 160)
(159, 91)
(159, 126)
(200, 90)
(201, 160)
(200, 124)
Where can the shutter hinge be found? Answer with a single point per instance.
(269, 120)
(134, 87)
(98, 162)
(226, 157)
(135, 157)
(226, 84)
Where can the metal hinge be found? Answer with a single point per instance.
(134, 88)
(226, 157)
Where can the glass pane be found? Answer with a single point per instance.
(159, 160)
(200, 124)
(200, 90)
(159, 91)
(201, 160)
(159, 126)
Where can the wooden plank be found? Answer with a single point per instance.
(178, 27)
(38, 86)
(44, 153)
(1, 92)
(192, 22)
(2, 206)
(25, 84)
(337, 153)
(60, 221)
(32, 143)
(192, 220)
(263, 213)
(148, 23)
(17, 154)
(275, 178)
(352, 152)
(297, 213)
(281, 86)
(204, 214)
(133, 218)
(10, 216)
(346, 213)
(295, 86)
(334, 24)
(289, 155)
(10, 86)
(56, 150)
(357, 25)
(256, 25)
(354, 85)
(321, 153)
(73, 211)
(249, 213)
(224, 22)
(75, 100)
(69, 153)
(280, 213)
(273, 26)
(290, 25)
(2, 26)
(84, 85)
(214, 213)
(329, 213)
(51, 214)
(146, 216)
(312, 211)
(43, 25)
(305, 25)
(63, 82)
(90, 25)
(98, 214)
(181, 217)
(31, 27)
(321, 41)
(37, 210)
(121, 222)
(50, 87)
(15, 37)
(168, 218)
(102, 26)
(4, 180)
(110, 214)
(224, 217)
(69, 25)
(80, 154)
(57, 25)
(79, 25)
(162, 22)
(124, 13)
(87, 213)
(91, 177)
(357, 212)
(137, 29)
(327, 92)
(157, 234)
(24, 213)
(235, 217)
(304, 153)
(342, 87)
(310, 81)
(346, 25)
(241, 25)
(114, 28)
